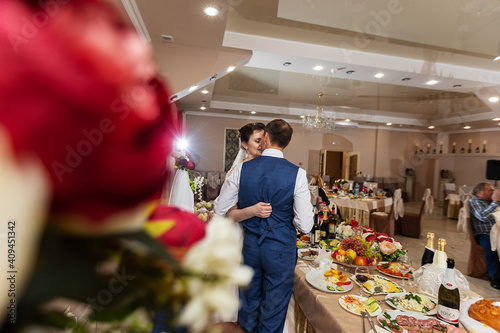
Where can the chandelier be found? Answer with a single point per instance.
(318, 121)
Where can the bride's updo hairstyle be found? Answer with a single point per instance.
(247, 130)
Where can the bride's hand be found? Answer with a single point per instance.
(262, 209)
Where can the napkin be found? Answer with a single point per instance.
(472, 325)
(323, 254)
(428, 279)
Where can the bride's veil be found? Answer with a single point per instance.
(242, 154)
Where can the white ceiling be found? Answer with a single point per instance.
(451, 41)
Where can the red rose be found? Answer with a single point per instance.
(371, 238)
(83, 95)
(190, 165)
(354, 223)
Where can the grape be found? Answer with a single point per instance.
(354, 244)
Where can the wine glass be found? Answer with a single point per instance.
(404, 267)
(362, 274)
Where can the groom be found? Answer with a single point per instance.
(269, 246)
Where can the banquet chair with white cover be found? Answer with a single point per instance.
(476, 266)
(313, 190)
(212, 185)
(412, 224)
(386, 222)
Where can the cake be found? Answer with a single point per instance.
(487, 312)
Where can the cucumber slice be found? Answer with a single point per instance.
(340, 289)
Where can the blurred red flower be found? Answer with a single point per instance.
(80, 90)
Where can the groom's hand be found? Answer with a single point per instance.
(262, 209)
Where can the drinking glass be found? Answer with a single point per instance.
(405, 266)
(362, 274)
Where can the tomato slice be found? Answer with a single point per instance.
(347, 283)
(340, 284)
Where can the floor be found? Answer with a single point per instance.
(457, 246)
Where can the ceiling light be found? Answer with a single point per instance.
(347, 120)
(406, 79)
(496, 58)
(213, 77)
(204, 91)
(302, 116)
(466, 127)
(431, 82)
(379, 75)
(431, 127)
(457, 85)
(350, 72)
(230, 68)
(493, 99)
(193, 88)
(202, 108)
(287, 63)
(496, 119)
(318, 68)
(211, 11)
(253, 112)
(318, 121)
(389, 124)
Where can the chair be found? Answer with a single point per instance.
(313, 190)
(412, 225)
(448, 188)
(212, 185)
(477, 263)
(383, 222)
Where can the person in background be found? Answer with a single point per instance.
(269, 244)
(317, 181)
(484, 203)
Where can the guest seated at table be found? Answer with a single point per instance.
(317, 181)
(484, 203)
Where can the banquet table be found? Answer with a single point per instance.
(360, 209)
(318, 311)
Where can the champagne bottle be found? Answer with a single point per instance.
(428, 256)
(325, 223)
(440, 256)
(448, 308)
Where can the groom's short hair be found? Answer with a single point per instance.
(280, 132)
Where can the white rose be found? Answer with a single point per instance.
(398, 245)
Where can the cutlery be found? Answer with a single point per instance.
(370, 320)
(363, 316)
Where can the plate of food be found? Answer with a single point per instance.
(392, 269)
(308, 254)
(402, 322)
(330, 281)
(301, 244)
(412, 302)
(330, 244)
(355, 304)
(481, 315)
(379, 285)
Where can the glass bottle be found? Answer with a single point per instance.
(448, 308)
(315, 231)
(428, 256)
(440, 255)
(325, 224)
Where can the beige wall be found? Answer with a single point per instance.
(383, 153)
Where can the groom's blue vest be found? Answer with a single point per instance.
(271, 180)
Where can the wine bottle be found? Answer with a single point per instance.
(440, 256)
(448, 308)
(428, 256)
(356, 189)
(315, 231)
(325, 230)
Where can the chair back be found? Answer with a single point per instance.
(428, 201)
(450, 187)
(313, 190)
(399, 209)
(476, 266)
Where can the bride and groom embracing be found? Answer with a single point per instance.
(273, 200)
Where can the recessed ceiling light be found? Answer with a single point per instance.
(213, 77)
(287, 63)
(302, 116)
(204, 91)
(193, 88)
(431, 127)
(389, 124)
(347, 120)
(406, 79)
(496, 119)
(493, 99)
(431, 82)
(350, 72)
(230, 68)
(318, 68)
(379, 75)
(253, 112)
(496, 58)
(211, 11)
(457, 85)
(466, 127)
(202, 108)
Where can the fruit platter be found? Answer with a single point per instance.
(331, 281)
(204, 210)
(378, 285)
